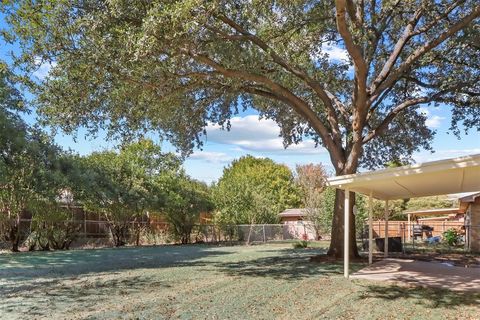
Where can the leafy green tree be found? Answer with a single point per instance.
(254, 191)
(121, 184)
(52, 226)
(175, 66)
(31, 166)
(10, 97)
(29, 171)
(185, 200)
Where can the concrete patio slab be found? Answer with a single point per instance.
(421, 273)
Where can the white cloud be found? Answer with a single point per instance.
(43, 68)
(250, 133)
(212, 157)
(433, 121)
(335, 53)
(444, 154)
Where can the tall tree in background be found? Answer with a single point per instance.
(254, 191)
(29, 170)
(29, 162)
(317, 198)
(186, 198)
(121, 184)
(175, 66)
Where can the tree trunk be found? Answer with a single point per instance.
(336, 244)
(15, 235)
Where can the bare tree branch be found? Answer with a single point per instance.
(435, 21)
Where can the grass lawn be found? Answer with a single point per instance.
(205, 282)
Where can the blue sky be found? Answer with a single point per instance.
(251, 135)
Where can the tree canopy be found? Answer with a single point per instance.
(175, 66)
(123, 184)
(254, 191)
(186, 198)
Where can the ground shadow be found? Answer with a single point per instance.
(64, 295)
(289, 264)
(27, 271)
(429, 297)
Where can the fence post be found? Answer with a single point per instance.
(264, 237)
(85, 224)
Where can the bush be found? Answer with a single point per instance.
(155, 237)
(52, 227)
(452, 237)
(300, 244)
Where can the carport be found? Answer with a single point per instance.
(448, 176)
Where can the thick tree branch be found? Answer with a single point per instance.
(301, 74)
(353, 13)
(391, 115)
(407, 34)
(300, 106)
(360, 83)
(419, 52)
(359, 63)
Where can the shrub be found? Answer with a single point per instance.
(452, 237)
(52, 227)
(300, 244)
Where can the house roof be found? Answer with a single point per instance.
(419, 180)
(432, 212)
(437, 218)
(294, 212)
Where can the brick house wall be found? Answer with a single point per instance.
(475, 226)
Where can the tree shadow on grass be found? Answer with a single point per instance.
(288, 265)
(79, 288)
(429, 297)
(70, 294)
(31, 270)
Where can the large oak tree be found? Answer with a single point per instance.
(175, 66)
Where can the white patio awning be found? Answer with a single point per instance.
(419, 180)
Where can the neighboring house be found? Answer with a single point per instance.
(297, 225)
(292, 215)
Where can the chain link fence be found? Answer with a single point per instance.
(253, 233)
(153, 232)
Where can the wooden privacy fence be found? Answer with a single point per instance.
(404, 230)
(94, 225)
(89, 227)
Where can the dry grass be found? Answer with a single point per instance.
(206, 282)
